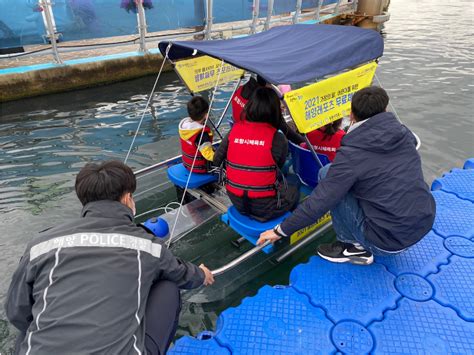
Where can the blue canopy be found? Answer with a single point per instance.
(290, 54)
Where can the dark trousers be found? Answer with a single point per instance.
(162, 316)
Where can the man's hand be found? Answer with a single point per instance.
(208, 278)
(268, 235)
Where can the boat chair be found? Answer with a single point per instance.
(305, 165)
(250, 228)
(178, 175)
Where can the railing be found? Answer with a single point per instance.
(30, 22)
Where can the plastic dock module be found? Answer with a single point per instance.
(457, 181)
(346, 291)
(194, 346)
(276, 321)
(454, 216)
(249, 228)
(420, 301)
(178, 175)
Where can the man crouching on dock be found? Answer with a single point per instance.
(99, 284)
(374, 188)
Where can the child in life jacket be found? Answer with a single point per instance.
(327, 139)
(254, 151)
(195, 138)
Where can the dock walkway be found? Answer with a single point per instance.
(418, 302)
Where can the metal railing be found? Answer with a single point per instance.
(52, 36)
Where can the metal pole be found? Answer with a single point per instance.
(50, 30)
(255, 12)
(310, 146)
(142, 27)
(269, 15)
(207, 31)
(318, 10)
(229, 102)
(240, 259)
(297, 11)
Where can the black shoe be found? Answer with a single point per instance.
(340, 252)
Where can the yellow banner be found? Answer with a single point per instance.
(318, 104)
(302, 233)
(201, 73)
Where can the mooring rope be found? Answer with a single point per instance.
(389, 101)
(195, 156)
(148, 103)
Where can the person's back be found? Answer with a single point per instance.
(83, 287)
(326, 140)
(254, 152)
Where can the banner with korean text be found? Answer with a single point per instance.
(201, 73)
(318, 104)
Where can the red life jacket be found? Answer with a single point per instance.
(327, 146)
(250, 165)
(238, 104)
(189, 149)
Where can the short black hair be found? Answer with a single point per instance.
(109, 180)
(197, 108)
(368, 102)
(264, 106)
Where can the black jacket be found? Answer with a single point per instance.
(379, 164)
(82, 287)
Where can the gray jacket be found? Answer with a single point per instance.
(82, 287)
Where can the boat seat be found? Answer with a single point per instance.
(305, 166)
(178, 175)
(250, 228)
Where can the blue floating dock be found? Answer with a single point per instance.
(417, 302)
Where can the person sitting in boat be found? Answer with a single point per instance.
(99, 284)
(375, 190)
(326, 140)
(195, 138)
(255, 151)
(241, 97)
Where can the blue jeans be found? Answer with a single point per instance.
(348, 221)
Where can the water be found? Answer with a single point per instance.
(427, 70)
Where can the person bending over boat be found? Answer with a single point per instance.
(254, 152)
(195, 138)
(375, 190)
(326, 140)
(99, 284)
(242, 96)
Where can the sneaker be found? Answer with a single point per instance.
(340, 252)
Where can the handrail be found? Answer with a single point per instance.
(239, 259)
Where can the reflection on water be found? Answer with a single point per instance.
(427, 70)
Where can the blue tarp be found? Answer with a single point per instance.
(290, 54)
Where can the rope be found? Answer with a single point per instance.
(195, 156)
(389, 101)
(148, 103)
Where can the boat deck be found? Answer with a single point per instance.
(418, 302)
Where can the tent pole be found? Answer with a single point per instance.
(229, 102)
(310, 147)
